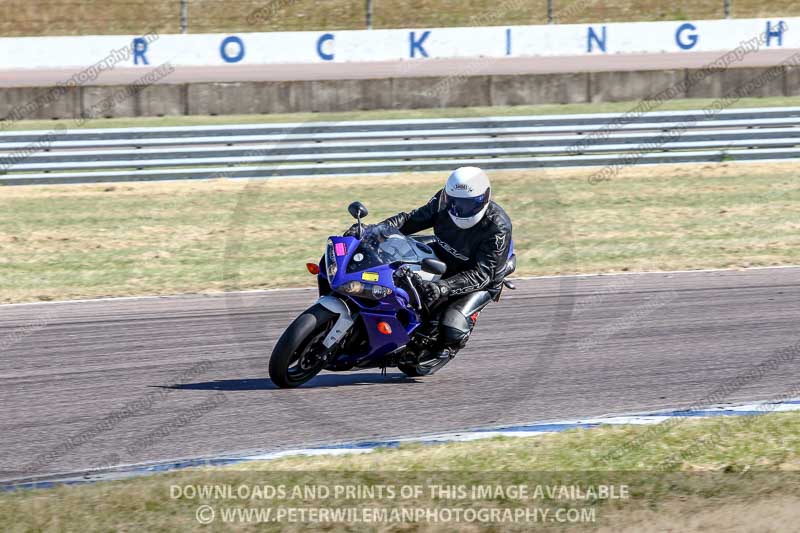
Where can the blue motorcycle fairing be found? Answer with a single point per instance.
(381, 344)
(392, 248)
(394, 309)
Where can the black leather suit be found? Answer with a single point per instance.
(476, 261)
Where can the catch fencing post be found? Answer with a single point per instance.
(727, 9)
(369, 14)
(184, 15)
(549, 11)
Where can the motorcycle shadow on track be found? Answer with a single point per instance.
(318, 382)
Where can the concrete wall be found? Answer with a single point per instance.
(791, 85)
(396, 93)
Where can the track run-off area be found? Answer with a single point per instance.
(94, 384)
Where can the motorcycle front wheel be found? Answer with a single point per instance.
(298, 355)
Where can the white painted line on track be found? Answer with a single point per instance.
(519, 430)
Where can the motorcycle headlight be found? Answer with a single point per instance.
(330, 260)
(366, 290)
(353, 287)
(379, 291)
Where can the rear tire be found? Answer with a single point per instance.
(413, 371)
(416, 370)
(294, 358)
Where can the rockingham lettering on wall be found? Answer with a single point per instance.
(403, 45)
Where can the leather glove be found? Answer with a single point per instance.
(433, 291)
(352, 231)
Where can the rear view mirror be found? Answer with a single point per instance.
(357, 210)
(433, 266)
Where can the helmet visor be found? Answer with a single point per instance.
(465, 207)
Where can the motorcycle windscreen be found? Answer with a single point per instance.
(383, 245)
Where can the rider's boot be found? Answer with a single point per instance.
(445, 354)
(438, 354)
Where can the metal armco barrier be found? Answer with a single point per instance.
(387, 146)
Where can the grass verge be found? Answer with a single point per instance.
(387, 114)
(66, 242)
(718, 474)
(21, 17)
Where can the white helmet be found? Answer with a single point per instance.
(466, 196)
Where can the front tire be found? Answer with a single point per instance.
(298, 355)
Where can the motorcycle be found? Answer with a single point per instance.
(369, 313)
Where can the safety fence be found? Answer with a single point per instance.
(389, 146)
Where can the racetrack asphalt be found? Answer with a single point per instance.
(97, 383)
(400, 69)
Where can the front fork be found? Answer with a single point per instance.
(343, 323)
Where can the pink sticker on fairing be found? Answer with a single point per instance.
(340, 248)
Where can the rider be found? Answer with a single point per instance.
(473, 236)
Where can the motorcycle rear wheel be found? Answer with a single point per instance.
(296, 357)
(413, 370)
